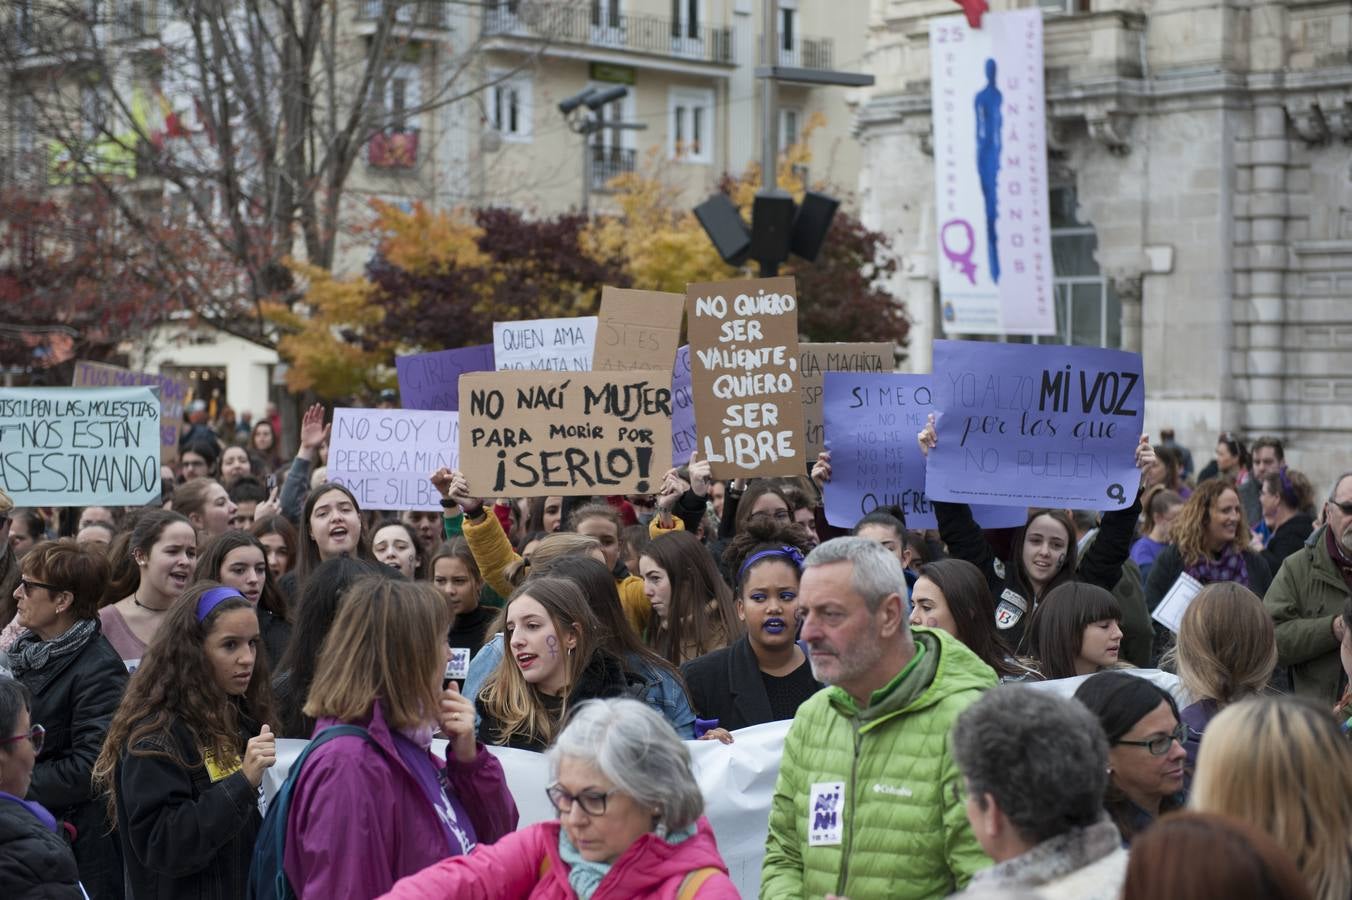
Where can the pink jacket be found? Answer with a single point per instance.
(510, 870)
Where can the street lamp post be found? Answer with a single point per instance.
(589, 121)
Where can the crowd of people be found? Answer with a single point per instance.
(976, 711)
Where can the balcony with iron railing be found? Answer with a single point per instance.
(806, 53)
(608, 162)
(595, 26)
(434, 14)
(393, 150)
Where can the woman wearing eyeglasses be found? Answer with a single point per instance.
(76, 679)
(35, 858)
(630, 823)
(1145, 748)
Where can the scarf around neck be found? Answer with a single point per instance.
(31, 653)
(585, 877)
(1339, 556)
(1230, 567)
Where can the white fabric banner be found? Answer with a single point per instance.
(737, 780)
(990, 174)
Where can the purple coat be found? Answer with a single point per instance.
(359, 819)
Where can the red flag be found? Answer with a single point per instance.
(974, 9)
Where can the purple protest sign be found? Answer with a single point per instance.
(682, 409)
(432, 380)
(1036, 425)
(871, 420)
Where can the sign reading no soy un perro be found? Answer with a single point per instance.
(744, 376)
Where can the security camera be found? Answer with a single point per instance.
(573, 102)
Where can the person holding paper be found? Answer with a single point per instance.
(764, 675)
(1210, 542)
(1226, 651)
(1307, 596)
(1043, 553)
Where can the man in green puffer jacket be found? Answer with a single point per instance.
(867, 801)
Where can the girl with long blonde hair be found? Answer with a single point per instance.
(1282, 765)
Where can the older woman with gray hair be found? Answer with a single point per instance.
(630, 823)
(1035, 768)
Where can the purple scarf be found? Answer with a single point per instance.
(1230, 567)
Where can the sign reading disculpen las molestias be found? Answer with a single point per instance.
(384, 456)
(1036, 425)
(744, 376)
(80, 446)
(990, 174)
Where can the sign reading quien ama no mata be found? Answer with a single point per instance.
(1036, 425)
(80, 446)
(744, 376)
(536, 434)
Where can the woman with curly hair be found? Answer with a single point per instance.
(187, 749)
(1210, 542)
(764, 675)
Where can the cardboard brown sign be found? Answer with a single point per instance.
(744, 375)
(536, 434)
(637, 330)
(816, 359)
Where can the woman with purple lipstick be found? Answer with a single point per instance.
(764, 676)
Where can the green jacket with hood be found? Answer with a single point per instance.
(903, 826)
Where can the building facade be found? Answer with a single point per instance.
(1201, 198)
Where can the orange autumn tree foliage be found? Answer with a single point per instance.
(324, 338)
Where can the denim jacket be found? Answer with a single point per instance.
(665, 693)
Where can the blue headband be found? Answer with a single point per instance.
(214, 598)
(792, 554)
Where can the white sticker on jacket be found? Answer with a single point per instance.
(457, 667)
(1010, 609)
(826, 814)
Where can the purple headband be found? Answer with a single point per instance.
(214, 598)
(792, 554)
(1288, 489)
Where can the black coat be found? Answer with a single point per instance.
(74, 698)
(605, 676)
(1287, 539)
(276, 634)
(726, 685)
(185, 836)
(1169, 565)
(35, 864)
(1101, 564)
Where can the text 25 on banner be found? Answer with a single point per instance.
(534, 434)
(1036, 425)
(744, 375)
(80, 446)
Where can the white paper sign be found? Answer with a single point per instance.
(826, 814)
(555, 345)
(385, 456)
(990, 174)
(1170, 610)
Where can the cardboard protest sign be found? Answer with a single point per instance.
(384, 456)
(1036, 425)
(432, 380)
(551, 345)
(682, 409)
(173, 395)
(871, 424)
(80, 446)
(815, 360)
(637, 330)
(744, 375)
(535, 434)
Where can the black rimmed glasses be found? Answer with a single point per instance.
(28, 584)
(36, 734)
(593, 803)
(1160, 744)
(1344, 508)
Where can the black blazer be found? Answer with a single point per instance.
(726, 685)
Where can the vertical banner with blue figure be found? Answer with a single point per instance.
(990, 175)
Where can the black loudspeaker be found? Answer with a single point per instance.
(724, 226)
(771, 226)
(811, 224)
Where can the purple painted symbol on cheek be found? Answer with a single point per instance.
(553, 644)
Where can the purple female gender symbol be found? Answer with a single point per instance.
(960, 258)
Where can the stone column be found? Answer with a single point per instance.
(1129, 286)
(1260, 312)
